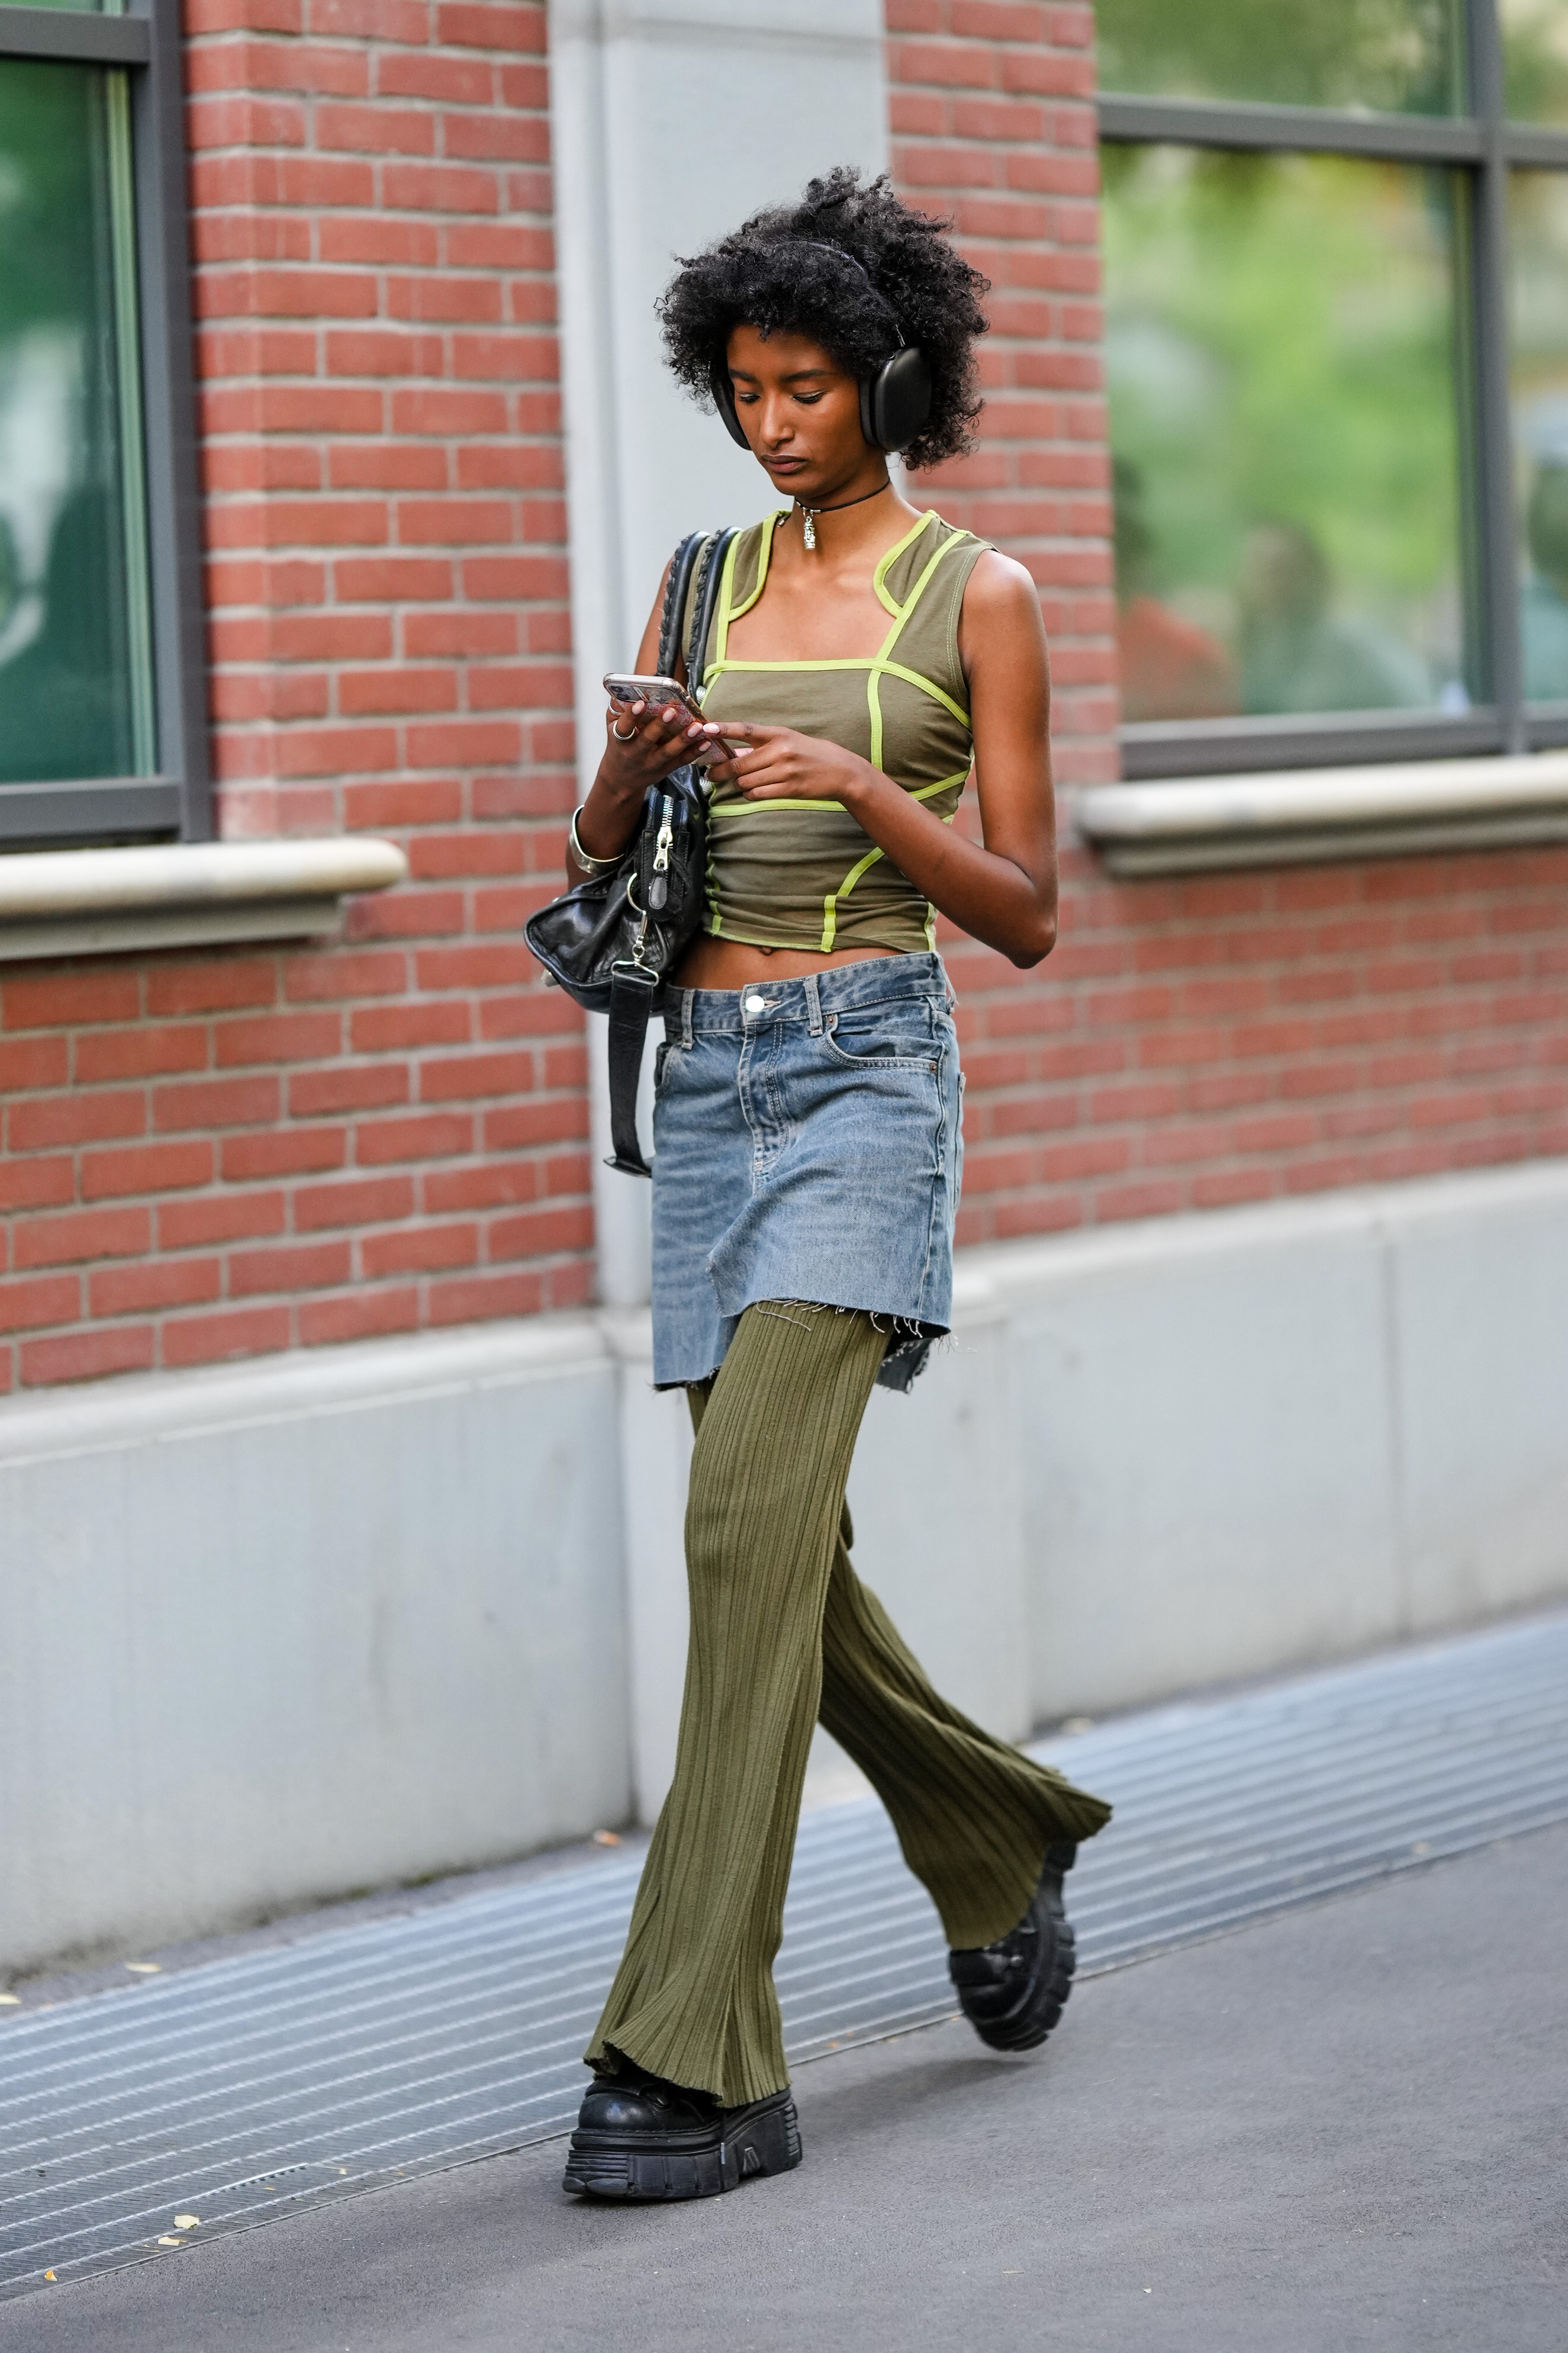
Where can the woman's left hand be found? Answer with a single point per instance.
(774, 764)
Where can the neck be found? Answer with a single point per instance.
(851, 520)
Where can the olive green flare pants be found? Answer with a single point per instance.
(783, 1631)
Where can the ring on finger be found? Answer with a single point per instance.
(629, 738)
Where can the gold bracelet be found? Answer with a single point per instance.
(586, 860)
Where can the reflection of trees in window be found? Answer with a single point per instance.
(1399, 56)
(1545, 603)
(64, 686)
(1535, 59)
(1538, 208)
(1336, 256)
(1279, 354)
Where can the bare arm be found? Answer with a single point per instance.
(1005, 891)
(613, 810)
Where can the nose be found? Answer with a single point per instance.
(778, 424)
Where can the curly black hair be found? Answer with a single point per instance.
(771, 274)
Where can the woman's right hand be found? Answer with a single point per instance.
(660, 740)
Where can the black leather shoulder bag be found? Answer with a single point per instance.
(611, 943)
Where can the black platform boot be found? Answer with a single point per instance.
(1012, 1991)
(640, 2138)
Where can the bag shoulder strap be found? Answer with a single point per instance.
(677, 592)
(701, 600)
(695, 573)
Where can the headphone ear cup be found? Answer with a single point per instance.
(723, 393)
(898, 399)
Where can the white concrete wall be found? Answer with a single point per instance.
(276, 1631)
(1278, 1435)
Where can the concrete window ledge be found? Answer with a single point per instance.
(1303, 816)
(73, 903)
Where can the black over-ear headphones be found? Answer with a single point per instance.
(894, 403)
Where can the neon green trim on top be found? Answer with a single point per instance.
(916, 592)
(834, 661)
(726, 590)
(880, 576)
(728, 609)
(927, 685)
(876, 666)
(761, 808)
(830, 905)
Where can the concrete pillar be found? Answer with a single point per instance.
(671, 120)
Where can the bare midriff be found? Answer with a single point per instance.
(731, 964)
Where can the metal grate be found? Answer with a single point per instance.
(242, 2089)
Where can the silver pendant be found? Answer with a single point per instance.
(809, 521)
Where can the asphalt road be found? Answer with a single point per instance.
(1346, 2128)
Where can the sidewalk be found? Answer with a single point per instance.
(1343, 2128)
(1286, 2137)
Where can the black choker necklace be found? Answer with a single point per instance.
(809, 514)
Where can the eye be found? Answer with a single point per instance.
(809, 399)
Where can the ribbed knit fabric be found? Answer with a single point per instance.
(781, 1625)
(973, 1815)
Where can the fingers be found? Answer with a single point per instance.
(652, 739)
(622, 718)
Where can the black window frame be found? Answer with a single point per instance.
(175, 802)
(1484, 146)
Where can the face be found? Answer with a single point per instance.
(800, 413)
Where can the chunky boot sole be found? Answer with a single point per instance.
(1024, 2022)
(653, 2167)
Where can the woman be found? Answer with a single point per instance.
(862, 657)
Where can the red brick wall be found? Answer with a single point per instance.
(1225, 1039)
(214, 1154)
(207, 1155)
(992, 126)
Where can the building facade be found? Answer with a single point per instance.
(336, 464)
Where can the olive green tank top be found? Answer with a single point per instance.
(802, 873)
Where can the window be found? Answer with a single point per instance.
(102, 720)
(1336, 267)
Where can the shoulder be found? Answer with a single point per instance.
(1000, 613)
(1001, 631)
(1000, 589)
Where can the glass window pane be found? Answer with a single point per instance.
(1535, 59)
(1396, 57)
(74, 671)
(1280, 349)
(1537, 371)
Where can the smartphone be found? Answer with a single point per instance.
(624, 688)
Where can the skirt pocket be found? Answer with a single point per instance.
(882, 1038)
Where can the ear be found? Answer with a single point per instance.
(723, 393)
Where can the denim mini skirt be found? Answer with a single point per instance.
(807, 1144)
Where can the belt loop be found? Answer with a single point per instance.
(687, 999)
(814, 1004)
